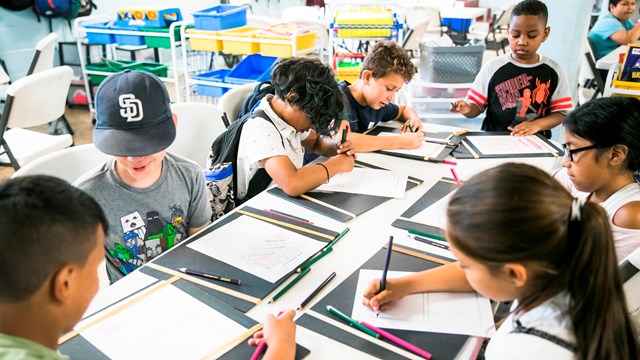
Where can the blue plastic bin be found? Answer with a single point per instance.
(221, 17)
(217, 76)
(99, 38)
(122, 39)
(457, 25)
(253, 68)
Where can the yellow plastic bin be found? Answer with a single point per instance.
(371, 22)
(236, 47)
(304, 41)
(204, 44)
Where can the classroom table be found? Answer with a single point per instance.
(368, 233)
(607, 61)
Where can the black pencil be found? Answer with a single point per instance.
(316, 291)
(210, 276)
(387, 260)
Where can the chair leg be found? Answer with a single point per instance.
(12, 159)
(66, 127)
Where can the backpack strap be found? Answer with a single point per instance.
(520, 329)
(254, 98)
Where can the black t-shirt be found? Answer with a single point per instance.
(361, 118)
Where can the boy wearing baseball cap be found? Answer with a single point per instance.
(152, 199)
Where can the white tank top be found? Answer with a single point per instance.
(626, 240)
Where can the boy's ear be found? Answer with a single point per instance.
(175, 119)
(291, 97)
(547, 30)
(61, 283)
(367, 75)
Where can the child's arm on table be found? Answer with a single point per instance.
(531, 127)
(448, 277)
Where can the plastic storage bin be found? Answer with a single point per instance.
(240, 47)
(457, 25)
(253, 68)
(157, 69)
(157, 18)
(450, 64)
(221, 17)
(106, 66)
(123, 39)
(99, 38)
(304, 41)
(365, 23)
(204, 44)
(215, 90)
(159, 41)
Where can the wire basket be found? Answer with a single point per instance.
(450, 64)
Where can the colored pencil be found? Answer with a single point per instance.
(316, 291)
(430, 242)
(287, 216)
(209, 276)
(460, 133)
(344, 135)
(432, 236)
(410, 128)
(396, 340)
(319, 255)
(455, 177)
(261, 345)
(387, 260)
(290, 285)
(441, 142)
(448, 162)
(334, 241)
(352, 322)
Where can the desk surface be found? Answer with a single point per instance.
(369, 232)
(607, 61)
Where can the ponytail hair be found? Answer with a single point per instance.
(516, 213)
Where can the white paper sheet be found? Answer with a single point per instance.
(436, 214)
(369, 182)
(427, 149)
(507, 144)
(257, 247)
(128, 285)
(166, 324)
(451, 313)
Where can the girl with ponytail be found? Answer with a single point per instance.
(601, 163)
(519, 235)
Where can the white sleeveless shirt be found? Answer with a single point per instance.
(626, 240)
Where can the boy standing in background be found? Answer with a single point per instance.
(522, 91)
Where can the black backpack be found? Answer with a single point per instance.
(261, 90)
(225, 150)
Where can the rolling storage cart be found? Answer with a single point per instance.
(102, 30)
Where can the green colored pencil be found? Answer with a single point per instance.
(431, 236)
(322, 253)
(289, 285)
(351, 322)
(334, 241)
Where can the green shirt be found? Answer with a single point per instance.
(12, 347)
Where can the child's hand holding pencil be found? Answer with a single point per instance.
(279, 333)
(378, 300)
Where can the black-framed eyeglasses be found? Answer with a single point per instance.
(571, 152)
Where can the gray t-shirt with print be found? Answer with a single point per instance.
(143, 223)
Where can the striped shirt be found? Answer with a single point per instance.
(511, 92)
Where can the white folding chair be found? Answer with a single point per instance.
(414, 36)
(31, 101)
(44, 56)
(198, 125)
(297, 13)
(68, 164)
(231, 102)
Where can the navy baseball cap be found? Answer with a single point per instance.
(133, 115)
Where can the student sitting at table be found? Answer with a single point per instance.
(602, 160)
(153, 199)
(614, 28)
(51, 248)
(521, 91)
(520, 235)
(301, 115)
(368, 101)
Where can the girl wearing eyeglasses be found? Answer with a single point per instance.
(601, 163)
